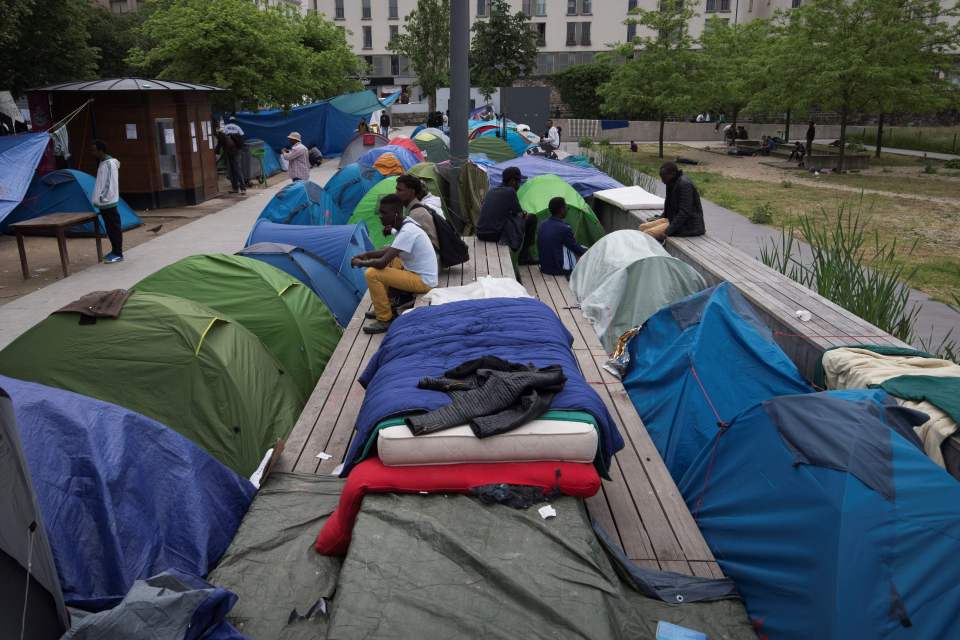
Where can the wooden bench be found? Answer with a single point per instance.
(778, 299)
(55, 225)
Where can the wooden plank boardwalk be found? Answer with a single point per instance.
(639, 506)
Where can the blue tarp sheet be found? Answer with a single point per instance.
(271, 161)
(327, 125)
(303, 202)
(19, 157)
(517, 142)
(431, 340)
(122, 496)
(347, 187)
(65, 190)
(336, 244)
(585, 180)
(614, 124)
(817, 550)
(708, 351)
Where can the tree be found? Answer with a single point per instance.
(425, 42)
(870, 53)
(578, 87)
(115, 35)
(659, 72)
(51, 44)
(503, 49)
(263, 55)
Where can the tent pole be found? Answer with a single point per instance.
(459, 94)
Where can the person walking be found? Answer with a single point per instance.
(106, 196)
(385, 123)
(297, 157)
(682, 210)
(811, 134)
(228, 145)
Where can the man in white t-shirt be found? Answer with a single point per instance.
(552, 141)
(408, 264)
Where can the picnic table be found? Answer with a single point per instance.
(54, 225)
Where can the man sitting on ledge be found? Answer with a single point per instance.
(409, 264)
(503, 220)
(682, 211)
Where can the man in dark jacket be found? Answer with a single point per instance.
(503, 220)
(557, 247)
(682, 211)
(811, 134)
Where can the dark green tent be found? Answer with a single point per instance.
(181, 363)
(535, 196)
(289, 318)
(474, 183)
(494, 148)
(434, 149)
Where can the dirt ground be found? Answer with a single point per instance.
(43, 256)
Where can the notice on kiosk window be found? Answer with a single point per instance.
(131, 132)
(168, 137)
(194, 140)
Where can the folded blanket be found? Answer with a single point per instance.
(372, 476)
(431, 340)
(98, 304)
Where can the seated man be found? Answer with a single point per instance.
(409, 264)
(798, 152)
(503, 220)
(682, 211)
(556, 245)
(411, 192)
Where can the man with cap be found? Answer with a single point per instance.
(503, 220)
(297, 157)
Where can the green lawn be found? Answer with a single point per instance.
(938, 185)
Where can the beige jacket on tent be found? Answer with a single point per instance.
(850, 368)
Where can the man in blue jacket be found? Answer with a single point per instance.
(556, 245)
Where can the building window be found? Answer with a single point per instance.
(750, 10)
(527, 8)
(794, 4)
(481, 8)
(365, 7)
(368, 37)
(586, 7)
(631, 32)
(394, 12)
(631, 5)
(338, 10)
(540, 28)
(394, 65)
(571, 7)
(394, 32)
(369, 61)
(571, 34)
(718, 5)
(119, 6)
(540, 7)
(585, 33)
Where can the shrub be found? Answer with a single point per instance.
(585, 143)
(762, 214)
(929, 168)
(787, 184)
(952, 164)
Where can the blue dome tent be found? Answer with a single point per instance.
(335, 244)
(347, 187)
(585, 180)
(303, 202)
(515, 139)
(374, 159)
(831, 520)
(65, 191)
(122, 496)
(699, 361)
(337, 291)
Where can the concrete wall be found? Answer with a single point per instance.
(647, 131)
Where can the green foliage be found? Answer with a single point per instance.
(864, 277)
(425, 41)
(49, 43)
(659, 72)
(935, 139)
(762, 214)
(503, 49)
(587, 143)
(929, 168)
(263, 55)
(116, 35)
(732, 56)
(952, 164)
(578, 87)
(787, 184)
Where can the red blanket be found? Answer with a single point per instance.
(372, 476)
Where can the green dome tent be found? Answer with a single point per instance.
(367, 211)
(183, 364)
(433, 148)
(494, 148)
(625, 278)
(291, 321)
(535, 195)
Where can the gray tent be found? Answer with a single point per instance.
(23, 544)
(361, 143)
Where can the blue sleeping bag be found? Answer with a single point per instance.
(122, 496)
(431, 340)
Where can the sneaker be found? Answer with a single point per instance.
(376, 327)
(370, 315)
(110, 258)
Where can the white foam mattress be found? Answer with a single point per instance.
(630, 198)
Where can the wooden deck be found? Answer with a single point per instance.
(639, 506)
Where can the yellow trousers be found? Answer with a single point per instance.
(656, 228)
(379, 281)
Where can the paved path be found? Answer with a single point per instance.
(221, 232)
(912, 152)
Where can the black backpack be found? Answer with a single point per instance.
(453, 250)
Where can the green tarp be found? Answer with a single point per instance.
(494, 148)
(535, 195)
(176, 361)
(367, 211)
(433, 149)
(289, 318)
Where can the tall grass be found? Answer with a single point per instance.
(935, 139)
(611, 161)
